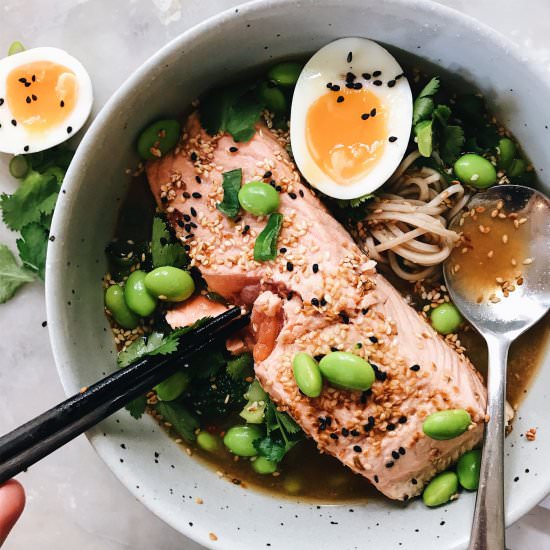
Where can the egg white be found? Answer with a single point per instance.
(330, 64)
(14, 139)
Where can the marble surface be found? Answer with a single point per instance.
(73, 499)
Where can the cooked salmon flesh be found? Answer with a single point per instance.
(320, 294)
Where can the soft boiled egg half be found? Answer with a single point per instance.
(351, 118)
(45, 97)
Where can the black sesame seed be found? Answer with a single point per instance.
(293, 196)
(267, 175)
(278, 188)
(399, 76)
(187, 217)
(193, 212)
(180, 223)
(315, 268)
(164, 199)
(329, 420)
(391, 83)
(323, 301)
(33, 78)
(198, 179)
(376, 73)
(44, 324)
(405, 498)
(194, 156)
(402, 450)
(395, 455)
(282, 250)
(349, 85)
(365, 310)
(186, 247)
(373, 112)
(390, 427)
(62, 104)
(13, 122)
(349, 57)
(345, 432)
(340, 99)
(373, 339)
(365, 116)
(329, 85)
(69, 129)
(27, 84)
(359, 345)
(187, 227)
(415, 368)
(357, 86)
(442, 522)
(314, 302)
(375, 479)
(355, 433)
(371, 420)
(335, 88)
(377, 82)
(357, 449)
(28, 99)
(402, 419)
(26, 148)
(34, 98)
(1, 101)
(345, 317)
(289, 266)
(233, 149)
(22, 80)
(366, 76)
(333, 436)
(516, 479)
(196, 195)
(301, 193)
(414, 481)
(186, 195)
(193, 225)
(246, 229)
(391, 139)
(389, 464)
(350, 77)
(289, 296)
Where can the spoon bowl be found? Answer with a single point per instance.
(499, 278)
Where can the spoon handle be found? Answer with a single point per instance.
(488, 523)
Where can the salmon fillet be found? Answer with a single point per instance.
(321, 293)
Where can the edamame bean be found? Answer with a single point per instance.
(263, 466)
(208, 442)
(516, 168)
(440, 489)
(170, 283)
(475, 170)
(137, 296)
(239, 440)
(446, 424)
(285, 74)
(467, 468)
(259, 198)
(445, 318)
(506, 153)
(347, 371)
(115, 303)
(19, 167)
(272, 97)
(158, 138)
(173, 386)
(307, 374)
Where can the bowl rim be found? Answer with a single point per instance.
(54, 276)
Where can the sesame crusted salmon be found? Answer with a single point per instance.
(321, 293)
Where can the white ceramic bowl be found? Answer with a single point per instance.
(84, 222)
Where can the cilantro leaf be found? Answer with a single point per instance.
(137, 406)
(271, 449)
(207, 363)
(183, 422)
(32, 248)
(231, 186)
(442, 113)
(451, 140)
(34, 199)
(140, 347)
(354, 203)
(424, 136)
(241, 366)
(163, 251)
(431, 88)
(288, 423)
(422, 109)
(12, 276)
(235, 110)
(265, 247)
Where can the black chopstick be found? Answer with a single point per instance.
(44, 434)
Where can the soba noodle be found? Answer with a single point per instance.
(406, 225)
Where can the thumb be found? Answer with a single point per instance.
(12, 502)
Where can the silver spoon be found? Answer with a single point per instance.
(500, 320)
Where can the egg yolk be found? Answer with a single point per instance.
(345, 133)
(41, 95)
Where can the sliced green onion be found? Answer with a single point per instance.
(19, 167)
(265, 247)
(16, 47)
(231, 186)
